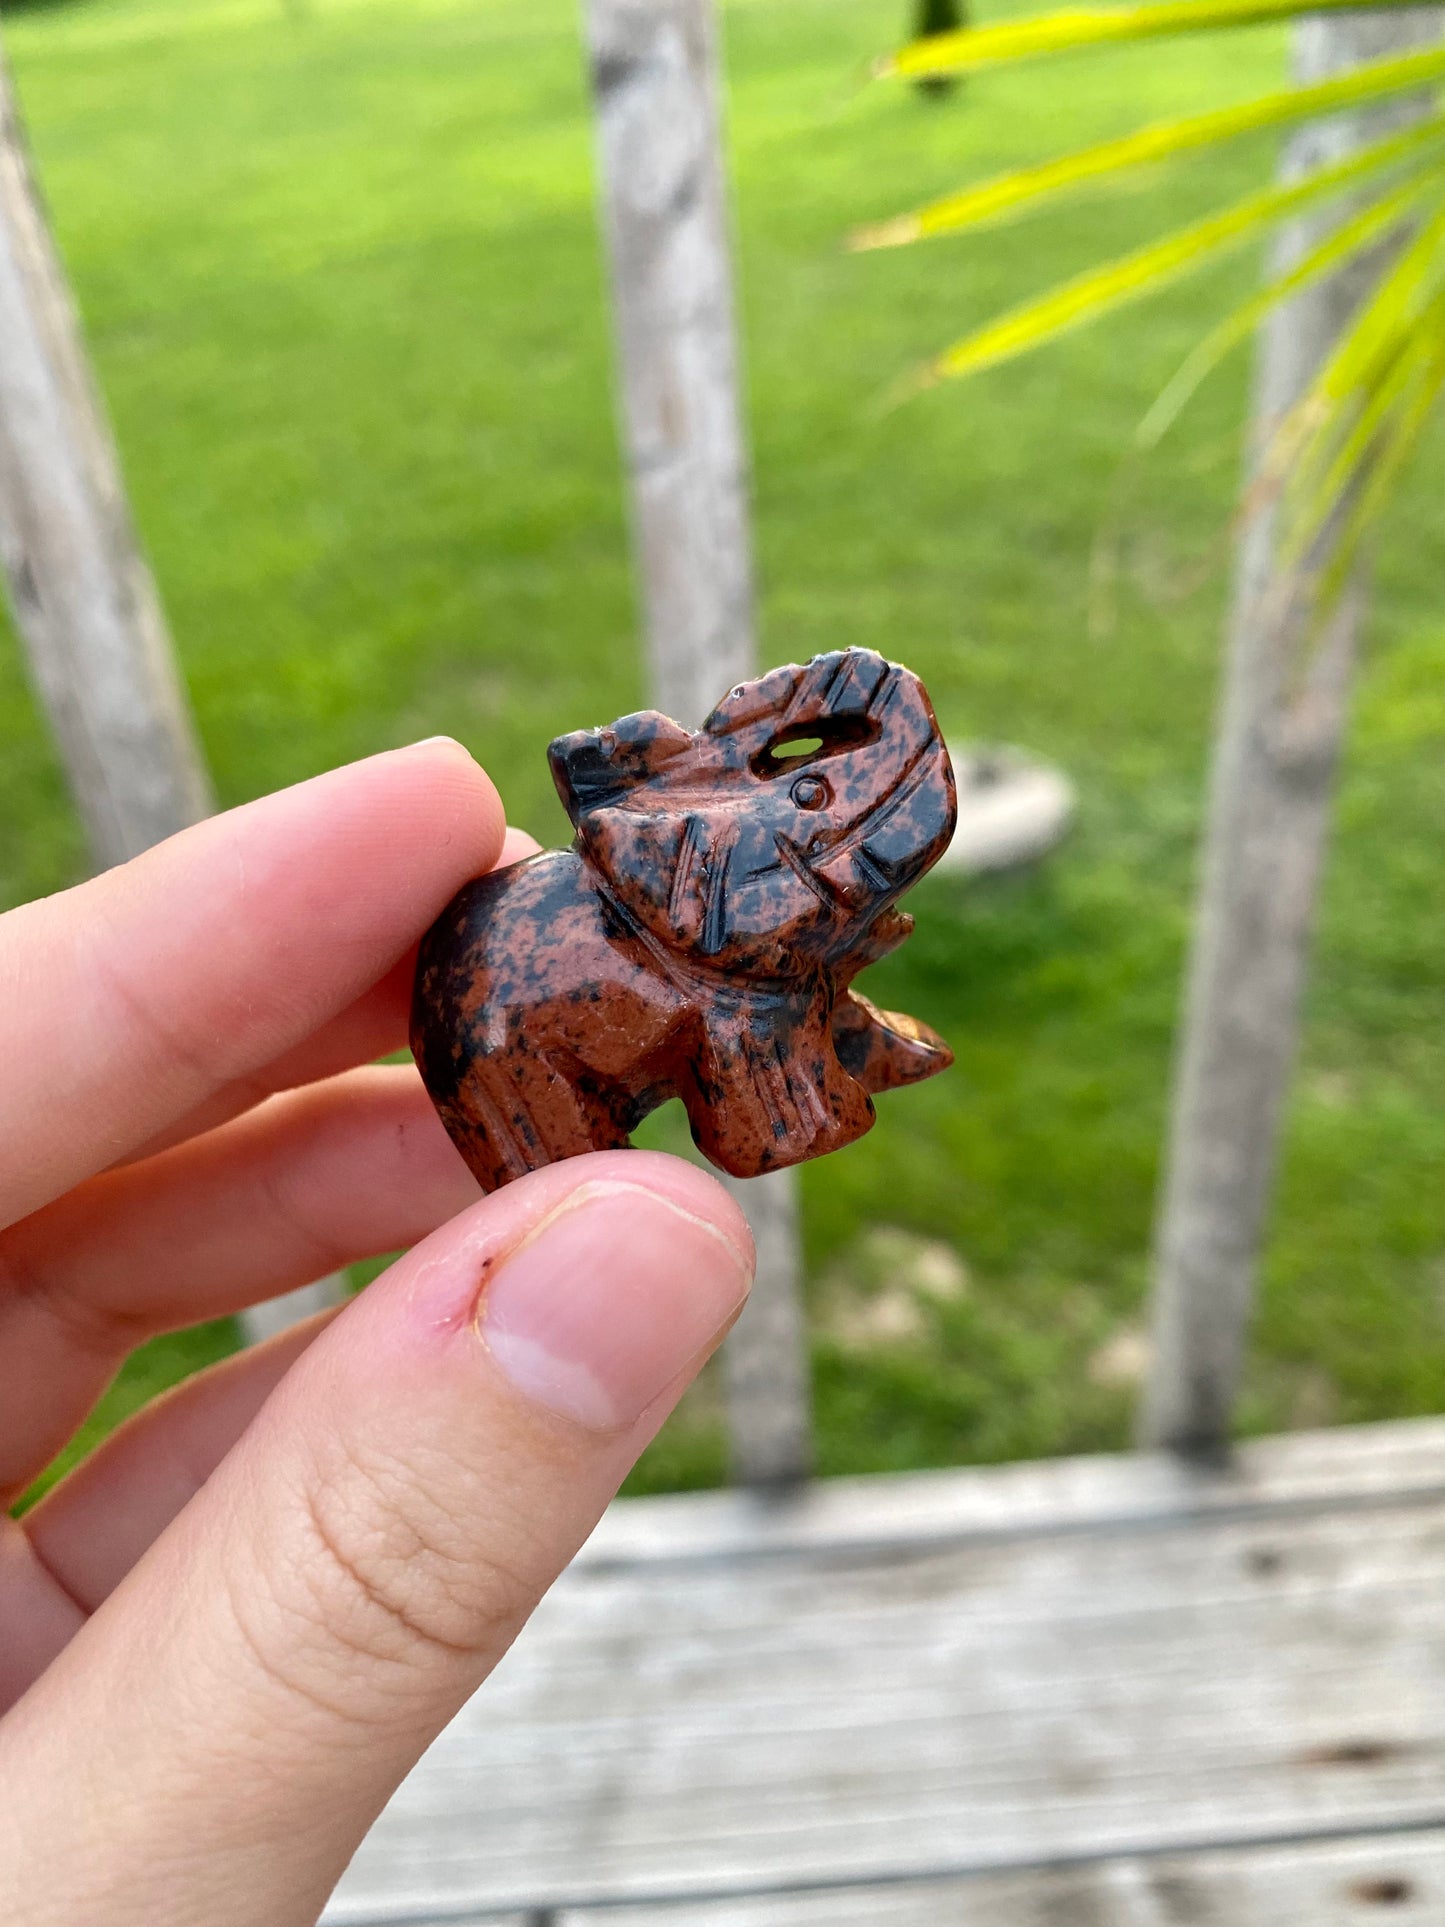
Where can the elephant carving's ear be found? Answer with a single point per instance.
(650, 854)
(593, 768)
(669, 870)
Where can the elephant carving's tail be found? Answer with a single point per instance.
(883, 1049)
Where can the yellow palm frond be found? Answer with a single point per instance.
(1007, 195)
(1141, 273)
(972, 49)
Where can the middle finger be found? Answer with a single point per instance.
(307, 1182)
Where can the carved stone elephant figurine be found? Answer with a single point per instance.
(699, 937)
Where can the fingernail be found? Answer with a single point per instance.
(608, 1301)
(517, 844)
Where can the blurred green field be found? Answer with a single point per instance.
(338, 261)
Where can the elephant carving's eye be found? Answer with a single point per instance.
(809, 792)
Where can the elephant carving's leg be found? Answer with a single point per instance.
(770, 1090)
(513, 1114)
(883, 1049)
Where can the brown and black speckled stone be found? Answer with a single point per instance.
(698, 939)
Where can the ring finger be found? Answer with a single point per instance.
(306, 1182)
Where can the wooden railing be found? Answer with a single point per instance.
(83, 600)
(90, 620)
(663, 191)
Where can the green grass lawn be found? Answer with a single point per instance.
(339, 266)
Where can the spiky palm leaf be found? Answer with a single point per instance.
(1337, 456)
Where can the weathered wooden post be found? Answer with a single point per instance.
(1282, 721)
(664, 200)
(84, 601)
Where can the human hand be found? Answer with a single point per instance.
(228, 1634)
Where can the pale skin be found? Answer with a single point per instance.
(228, 1634)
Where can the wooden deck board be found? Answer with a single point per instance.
(956, 1677)
(1396, 1882)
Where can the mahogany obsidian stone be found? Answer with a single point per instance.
(699, 938)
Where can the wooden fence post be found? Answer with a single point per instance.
(664, 197)
(84, 601)
(1272, 786)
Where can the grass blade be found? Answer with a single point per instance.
(1008, 194)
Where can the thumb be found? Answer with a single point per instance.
(216, 1740)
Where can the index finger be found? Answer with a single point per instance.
(131, 999)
